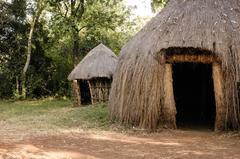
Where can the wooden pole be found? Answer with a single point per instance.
(91, 90)
(76, 93)
(218, 89)
(169, 109)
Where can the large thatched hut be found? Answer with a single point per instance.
(182, 68)
(92, 77)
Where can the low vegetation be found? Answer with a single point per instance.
(24, 118)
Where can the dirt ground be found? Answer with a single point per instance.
(111, 145)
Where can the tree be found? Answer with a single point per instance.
(84, 20)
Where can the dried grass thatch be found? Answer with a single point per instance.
(99, 62)
(205, 27)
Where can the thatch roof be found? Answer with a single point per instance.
(99, 62)
(137, 93)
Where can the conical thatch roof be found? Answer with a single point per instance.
(213, 26)
(99, 62)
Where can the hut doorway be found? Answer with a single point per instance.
(194, 95)
(85, 92)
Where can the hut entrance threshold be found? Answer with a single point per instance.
(194, 95)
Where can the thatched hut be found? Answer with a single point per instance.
(92, 77)
(182, 68)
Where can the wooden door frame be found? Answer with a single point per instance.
(169, 102)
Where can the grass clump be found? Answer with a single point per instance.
(92, 116)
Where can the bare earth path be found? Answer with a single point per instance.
(111, 145)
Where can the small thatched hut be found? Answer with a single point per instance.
(92, 77)
(182, 68)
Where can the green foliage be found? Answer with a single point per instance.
(101, 21)
(158, 4)
(4, 86)
(12, 41)
(72, 36)
(66, 31)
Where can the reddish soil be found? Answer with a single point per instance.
(110, 145)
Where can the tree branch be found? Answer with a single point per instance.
(82, 9)
(66, 7)
(60, 10)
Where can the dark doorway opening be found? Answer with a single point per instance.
(194, 95)
(85, 92)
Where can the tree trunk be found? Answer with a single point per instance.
(29, 48)
(17, 91)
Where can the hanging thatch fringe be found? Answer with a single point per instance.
(207, 59)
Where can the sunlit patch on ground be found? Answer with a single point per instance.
(133, 140)
(32, 152)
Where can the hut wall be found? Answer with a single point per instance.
(231, 68)
(100, 89)
(238, 88)
(137, 92)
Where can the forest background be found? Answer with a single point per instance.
(42, 40)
